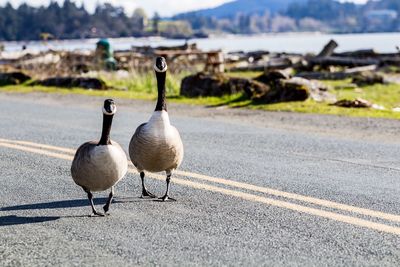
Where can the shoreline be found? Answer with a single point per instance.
(218, 42)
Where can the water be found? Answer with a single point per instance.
(293, 42)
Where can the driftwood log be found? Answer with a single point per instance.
(363, 53)
(329, 48)
(348, 73)
(343, 62)
(351, 59)
(357, 103)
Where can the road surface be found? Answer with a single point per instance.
(270, 189)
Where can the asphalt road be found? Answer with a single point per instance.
(44, 215)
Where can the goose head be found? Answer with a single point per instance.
(109, 107)
(160, 65)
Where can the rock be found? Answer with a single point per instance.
(13, 78)
(278, 90)
(202, 84)
(357, 103)
(283, 88)
(257, 90)
(318, 91)
(272, 76)
(368, 78)
(286, 91)
(69, 82)
(271, 87)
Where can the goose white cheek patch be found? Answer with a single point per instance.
(158, 70)
(110, 113)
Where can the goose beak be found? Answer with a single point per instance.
(160, 65)
(109, 107)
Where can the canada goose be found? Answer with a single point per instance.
(156, 145)
(98, 166)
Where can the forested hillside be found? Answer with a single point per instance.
(68, 20)
(255, 16)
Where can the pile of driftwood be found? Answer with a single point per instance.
(277, 84)
(72, 68)
(270, 87)
(50, 63)
(327, 65)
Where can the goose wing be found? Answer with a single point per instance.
(133, 142)
(82, 156)
(138, 130)
(178, 147)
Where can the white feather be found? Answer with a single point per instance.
(98, 168)
(159, 70)
(110, 113)
(156, 146)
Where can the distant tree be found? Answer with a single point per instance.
(264, 22)
(177, 29)
(310, 24)
(243, 23)
(139, 19)
(199, 22)
(283, 24)
(67, 21)
(156, 22)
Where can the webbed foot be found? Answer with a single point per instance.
(97, 214)
(147, 194)
(166, 198)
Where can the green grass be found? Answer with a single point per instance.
(143, 83)
(144, 87)
(387, 96)
(245, 74)
(311, 106)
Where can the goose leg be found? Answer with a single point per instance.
(90, 197)
(145, 193)
(166, 196)
(110, 198)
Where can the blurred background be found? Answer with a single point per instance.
(259, 53)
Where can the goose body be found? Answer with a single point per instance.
(99, 165)
(99, 168)
(156, 146)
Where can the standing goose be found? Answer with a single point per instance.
(98, 166)
(156, 146)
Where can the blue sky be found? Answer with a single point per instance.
(164, 7)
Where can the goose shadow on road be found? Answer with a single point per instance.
(73, 203)
(9, 220)
(17, 220)
(63, 204)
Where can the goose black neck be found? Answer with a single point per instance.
(161, 101)
(105, 134)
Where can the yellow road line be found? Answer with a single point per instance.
(294, 207)
(37, 151)
(266, 190)
(311, 200)
(246, 196)
(56, 148)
